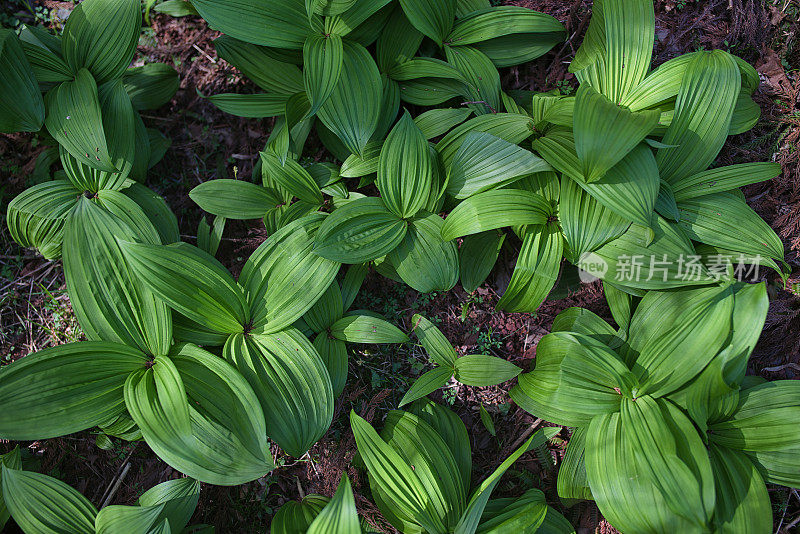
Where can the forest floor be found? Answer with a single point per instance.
(206, 144)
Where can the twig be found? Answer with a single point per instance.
(525, 435)
(116, 485)
(300, 488)
(211, 59)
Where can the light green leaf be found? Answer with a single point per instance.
(494, 209)
(65, 389)
(536, 271)
(433, 19)
(722, 179)
(36, 217)
(439, 349)
(482, 81)
(292, 177)
(511, 127)
(423, 259)
(436, 122)
(479, 370)
(234, 199)
(44, 505)
(742, 503)
(340, 513)
(192, 282)
(291, 383)
(359, 328)
(427, 383)
(334, 355)
(484, 162)
(254, 106)
(477, 256)
(352, 110)
(269, 71)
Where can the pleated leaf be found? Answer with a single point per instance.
(722, 179)
(606, 132)
(433, 19)
(36, 217)
(405, 169)
(179, 499)
(42, 504)
(25, 113)
(360, 231)
(703, 111)
(358, 328)
(423, 259)
(323, 56)
(511, 127)
(283, 277)
(340, 514)
(352, 110)
(427, 383)
(234, 199)
(74, 120)
(65, 389)
(101, 36)
(191, 282)
(484, 162)
(477, 256)
(151, 86)
(742, 503)
(292, 177)
(255, 106)
(482, 81)
(109, 301)
(334, 355)
(536, 271)
(495, 209)
(268, 71)
(260, 22)
(291, 383)
(203, 418)
(479, 370)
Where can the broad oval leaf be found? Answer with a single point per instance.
(234, 199)
(25, 112)
(323, 57)
(358, 328)
(261, 22)
(479, 370)
(495, 209)
(423, 259)
(36, 217)
(151, 86)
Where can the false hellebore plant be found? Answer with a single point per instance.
(479, 370)
(39, 503)
(90, 109)
(669, 433)
(316, 514)
(420, 471)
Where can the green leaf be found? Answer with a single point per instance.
(536, 271)
(477, 256)
(439, 349)
(294, 517)
(75, 121)
(291, 382)
(482, 81)
(703, 111)
(742, 503)
(398, 42)
(191, 282)
(223, 439)
(323, 57)
(340, 513)
(486, 419)
(436, 122)
(39, 503)
(427, 383)
(283, 277)
(108, 300)
(65, 389)
(431, 18)
(606, 132)
(572, 482)
(101, 36)
(25, 113)
(398, 483)
(423, 259)
(356, 166)
(150, 86)
(260, 22)
(179, 497)
(116, 518)
(36, 217)
(587, 224)
(43, 52)
(334, 355)
(255, 106)
(511, 127)
(356, 18)
(352, 110)
(671, 455)
(176, 8)
(495, 209)
(508, 35)
(234, 199)
(722, 179)
(357, 328)
(292, 177)
(485, 162)
(326, 310)
(725, 220)
(360, 231)
(405, 169)
(479, 370)
(266, 69)
(352, 283)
